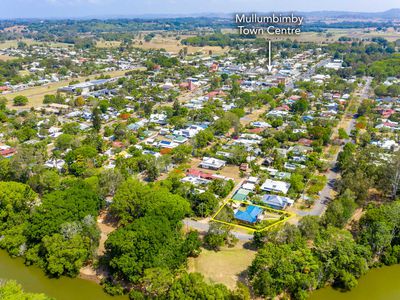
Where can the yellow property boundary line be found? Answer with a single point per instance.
(291, 215)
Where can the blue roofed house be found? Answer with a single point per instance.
(277, 202)
(307, 118)
(250, 215)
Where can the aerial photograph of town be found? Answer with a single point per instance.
(214, 149)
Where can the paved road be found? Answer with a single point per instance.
(333, 173)
(204, 226)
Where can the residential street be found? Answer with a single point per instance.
(203, 226)
(332, 175)
(325, 195)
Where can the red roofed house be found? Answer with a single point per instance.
(214, 67)
(216, 93)
(283, 107)
(387, 113)
(3, 88)
(295, 97)
(164, 151)
(118, 144)
(187, 85)
(8, 152)
(256, 130)
(305, 142)
(198, 173)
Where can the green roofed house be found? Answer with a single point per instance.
(180, 139)
(241, 195)
(282, 175)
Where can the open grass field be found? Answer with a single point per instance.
(253, 116)
(35, 94)
(108, 44)
(6, 57)
(14, 44)
(225, 266)
(332, 35)
(170, 44)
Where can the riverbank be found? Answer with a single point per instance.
(34, 280)
(106, 225)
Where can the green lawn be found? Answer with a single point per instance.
(223, 266)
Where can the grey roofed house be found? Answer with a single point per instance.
(212, 163)
(85, 86)
(277, 202)
(275, 186)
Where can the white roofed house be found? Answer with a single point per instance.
(212, 163)
(190, 131)
(158, 118)
(275, 186)
(55, 163)
(260, 124)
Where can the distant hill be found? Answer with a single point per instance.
(390, 14)
(387, 15)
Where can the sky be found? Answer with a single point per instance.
(91, 8)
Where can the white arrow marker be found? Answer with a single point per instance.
(269, 57)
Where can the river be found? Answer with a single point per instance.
(378, 284)
(33, 279)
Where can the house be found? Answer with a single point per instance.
(277, 113)
(277, 202)
(167, 144)
(214, 67)
(282, 175)
(158, 118)
(336, 64)
(248, 186)
(7, 153)
(386, 144)
(212, 163)
(199, 174)
(259, 124)
(195, 180)
(268, 161)
(305, 142)
(55, 163)
(252, 179)
(187, 85)
(244, 167)
(189, 132)
(241, 194)
(307, 118)
(216, 93)
(84, 87)
(250, 215)
(275, 186)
